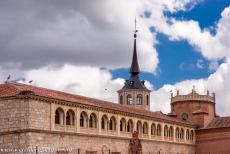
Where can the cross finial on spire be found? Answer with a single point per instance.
(134, 70)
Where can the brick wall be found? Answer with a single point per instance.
(213, 141)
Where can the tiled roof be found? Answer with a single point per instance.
(219, 122)
(13, 89)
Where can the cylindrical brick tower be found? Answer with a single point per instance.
(193, 107)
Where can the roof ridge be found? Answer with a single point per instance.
(60, 95)
(65, 93)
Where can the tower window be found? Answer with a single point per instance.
(147, 99)
(121, 99)
(139, 99)
(129, 99)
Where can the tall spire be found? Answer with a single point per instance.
(134, 69)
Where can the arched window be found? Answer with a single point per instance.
(59, 116)
(147, 99)
(83, 119)
(153, 129)
(139, 127)
(130, 126)
(121, 99)
(92, 120)
(145, 128)
(129, 99)
(139, 99)
(112, 123)
(187, 134)
(192, 135)
(158, 130)
(122, 125)
(182, 133)
(171, 131)
(177, 133)
(104, 122)
(70, 117)
(166, 131)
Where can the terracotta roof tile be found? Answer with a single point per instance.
(219, 122)
(13, 89)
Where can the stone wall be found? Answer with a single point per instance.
(31, 122)
(39, 115)
(87, 143)
(14, 114)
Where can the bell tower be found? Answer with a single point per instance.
(134, 93)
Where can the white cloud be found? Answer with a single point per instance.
(217, 82)
(200, 64)
(213, 47)
(81, 80)
(98, 34)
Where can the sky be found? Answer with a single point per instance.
(85, 47)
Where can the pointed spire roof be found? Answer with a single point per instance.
(134, 82)
(134, 69)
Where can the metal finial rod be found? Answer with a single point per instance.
(135, 24)
(135, 31)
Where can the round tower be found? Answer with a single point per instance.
(193, 107)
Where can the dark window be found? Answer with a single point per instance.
(68, 118)
(81, 121)
(121, 99)
(147, 99)
(110, 124)
(128, 129)
(139, 99)
(121, 126)
(57, 117)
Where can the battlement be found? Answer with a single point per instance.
(193, 96)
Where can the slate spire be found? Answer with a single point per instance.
(134, 69)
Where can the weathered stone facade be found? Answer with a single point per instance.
(30, 121)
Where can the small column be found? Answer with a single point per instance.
(149, 129)
(174, 133)
(118, 125)
(185, 135)
(64, 120)
(99, 122)
(162, 131)
(78, 120)
(52, 116)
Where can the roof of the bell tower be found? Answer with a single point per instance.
(134, 82)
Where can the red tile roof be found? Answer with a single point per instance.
(13, 89)
(219, 122)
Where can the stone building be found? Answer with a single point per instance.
(38, 117)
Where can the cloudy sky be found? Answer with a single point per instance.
(85, 47)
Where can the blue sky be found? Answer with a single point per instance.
(178, 60)
(86, 47)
